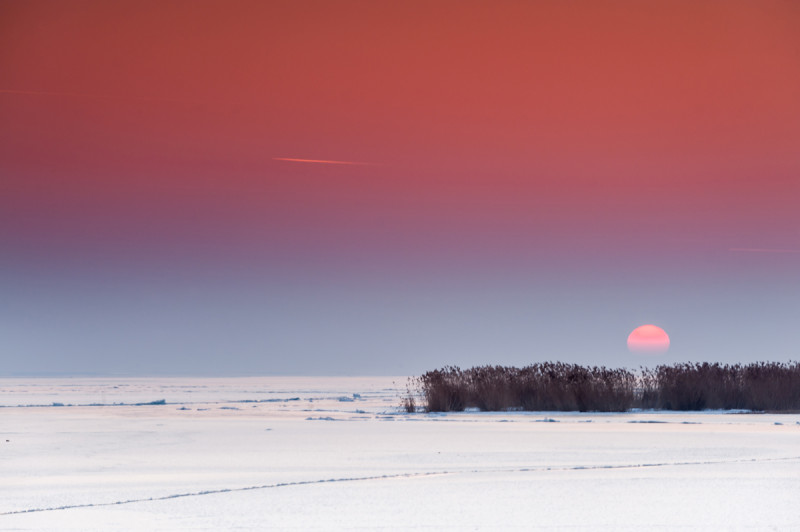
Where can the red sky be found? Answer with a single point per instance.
(501, 137)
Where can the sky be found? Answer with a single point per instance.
(524, 181)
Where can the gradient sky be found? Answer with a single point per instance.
(535, 180)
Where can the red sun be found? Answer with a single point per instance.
(648, 340)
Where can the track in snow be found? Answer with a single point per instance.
(399, 475)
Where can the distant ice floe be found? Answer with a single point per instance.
(706, 411)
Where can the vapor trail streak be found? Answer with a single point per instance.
(317, 161)
(765, 250)
(95, 96)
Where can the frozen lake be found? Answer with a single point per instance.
(285, 453)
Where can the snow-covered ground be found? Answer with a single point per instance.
(338, 454)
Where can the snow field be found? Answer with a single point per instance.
(337, 454)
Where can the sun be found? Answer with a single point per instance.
(648, 340)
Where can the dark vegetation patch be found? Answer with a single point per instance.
(158, 402)
(550, 386)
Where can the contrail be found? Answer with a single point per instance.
(95, 96)
(318, 161)
(44, 93)
(32, 93)
(765, 250)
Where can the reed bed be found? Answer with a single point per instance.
(556, 386)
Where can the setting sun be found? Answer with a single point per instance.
(648, 339)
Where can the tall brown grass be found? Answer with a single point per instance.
(571, 387)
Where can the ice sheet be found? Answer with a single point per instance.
(338, 454)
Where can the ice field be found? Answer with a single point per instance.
(338, 454)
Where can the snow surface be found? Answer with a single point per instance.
(339, 454)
